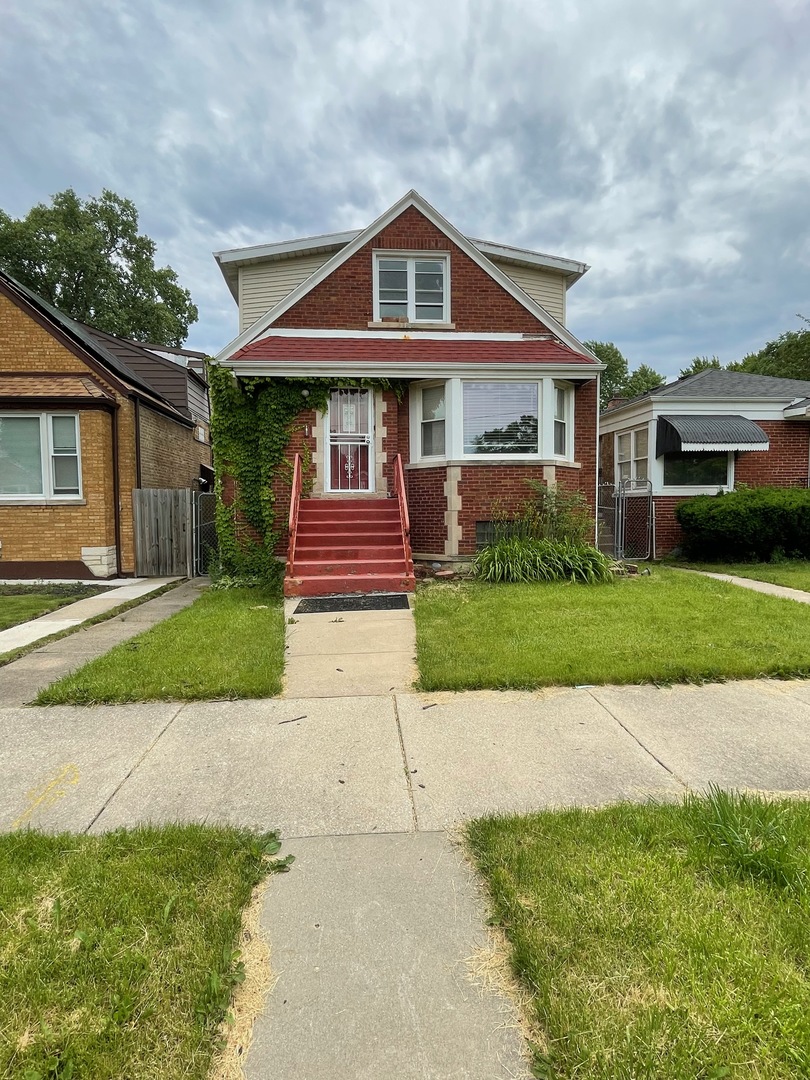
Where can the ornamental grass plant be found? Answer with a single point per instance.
(522, 559)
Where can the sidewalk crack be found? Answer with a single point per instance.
(638, 741)
(137, 764)
(405, 764)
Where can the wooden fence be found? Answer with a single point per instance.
(164, 532)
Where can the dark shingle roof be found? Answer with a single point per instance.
(724, 386)
(717, 382)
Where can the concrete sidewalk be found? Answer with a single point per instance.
(407, 762)
(766, 587)
(64, 618)
(373, 930)
(348, 653)
(21, 680)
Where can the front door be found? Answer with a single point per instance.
(350, 434)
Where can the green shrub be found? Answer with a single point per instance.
(520, 558)
(548, 514)
(750, 524)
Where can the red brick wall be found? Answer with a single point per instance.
(344, 300)
(427, 504)
(784, 464)
(487, 488)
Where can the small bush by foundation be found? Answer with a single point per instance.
(753, 523)
(517, 559)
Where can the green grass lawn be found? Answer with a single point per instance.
(658, 942)
(118, 951)
(666, 627)
(19, 603)
(228, 644)
(795, 573)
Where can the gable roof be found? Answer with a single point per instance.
(90, 341)
(723, 385)
(230, 259)
(360, 239)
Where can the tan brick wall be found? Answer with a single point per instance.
(170, 455)
(55, 533)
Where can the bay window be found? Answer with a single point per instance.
(433, 421)
(470, 419)
(39, 456)
(500, 418)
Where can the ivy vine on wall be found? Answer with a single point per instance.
(252, 422)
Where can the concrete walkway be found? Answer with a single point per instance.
(21, 680)
(374, 928)
(766, 587)
(64, 618)
(348, 653)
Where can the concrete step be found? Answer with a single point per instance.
(327, 584)
(351, 552)
(349, 567)
(361, 538)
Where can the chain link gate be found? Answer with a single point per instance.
(625, 519)
(205, 532)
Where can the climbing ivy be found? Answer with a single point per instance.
(252, 422)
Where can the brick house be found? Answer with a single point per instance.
(84, 418)
(704, 434)
(495, 390)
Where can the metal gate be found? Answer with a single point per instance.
(625, 520)
(205, 531)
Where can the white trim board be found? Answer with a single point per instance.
(411, 199)
(404, 370)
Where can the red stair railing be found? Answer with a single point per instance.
(295, 503)
(402, 499)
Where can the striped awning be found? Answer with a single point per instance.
(708, 433)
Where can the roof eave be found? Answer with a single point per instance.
(402, 369)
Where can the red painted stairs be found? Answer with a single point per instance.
(349, 545)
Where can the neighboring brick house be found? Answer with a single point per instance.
(84, 419)
(704, 434)
(497, 390)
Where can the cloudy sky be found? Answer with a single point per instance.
(666, 144)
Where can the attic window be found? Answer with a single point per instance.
(411, 289)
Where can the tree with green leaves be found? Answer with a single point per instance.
(700, 363)
(644, 378)
(616, 371)
(88, 259)
(788, 357)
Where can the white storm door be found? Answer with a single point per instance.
(350, 436)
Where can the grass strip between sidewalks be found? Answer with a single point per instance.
(119, 951)
(228, 644)
(658, 942)
(667, 627)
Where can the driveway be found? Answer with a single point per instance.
(401, 763)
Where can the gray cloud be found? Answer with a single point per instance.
(667, 146)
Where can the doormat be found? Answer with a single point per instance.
(320, 605)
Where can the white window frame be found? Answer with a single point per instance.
(454, 422)
(46, 459)
(411, 258)
(634, 457)
(697, 489)
(567, 419)
(420, 419)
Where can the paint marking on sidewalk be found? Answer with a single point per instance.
(48, 793)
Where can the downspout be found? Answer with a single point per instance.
(116, 490)
(137, 441)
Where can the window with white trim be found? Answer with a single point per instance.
(39, 456)
(411, 288)
(433, 421)
(501, 418)
(561, 399)
(632, 461)
(697, 468)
